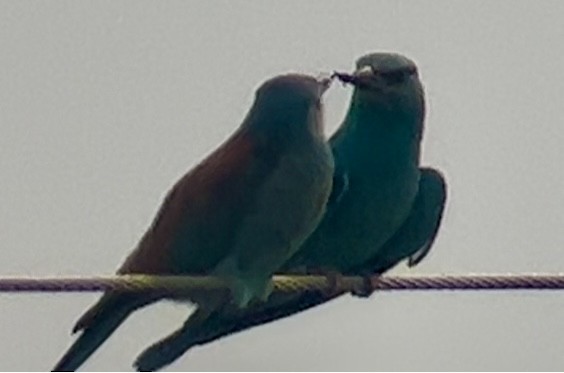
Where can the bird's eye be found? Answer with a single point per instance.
(395, 77)
(398, 76)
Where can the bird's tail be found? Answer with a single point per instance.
(168, 349)
(221, 323)
(97, 324)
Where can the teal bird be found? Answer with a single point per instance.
(240, 214)
(384, 207)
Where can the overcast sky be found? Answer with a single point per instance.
(105, 104)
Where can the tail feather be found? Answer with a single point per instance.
(168, 349)
(97, 324)
(219, 324)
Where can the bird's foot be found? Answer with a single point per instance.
(365, 289)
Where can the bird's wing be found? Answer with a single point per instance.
(190, 234)
(199, 218)
(415, 236)
(435, 184)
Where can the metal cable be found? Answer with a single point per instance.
(286, 283)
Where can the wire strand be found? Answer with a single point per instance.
(285, 283)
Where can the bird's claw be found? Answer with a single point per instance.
(365, 289)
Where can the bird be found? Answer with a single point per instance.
(239, 215)
(384, 206)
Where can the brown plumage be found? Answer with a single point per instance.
(240, 214)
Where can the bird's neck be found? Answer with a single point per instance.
(381, 135)
(281, 131)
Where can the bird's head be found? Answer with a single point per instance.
(388, 81)
(291, 101)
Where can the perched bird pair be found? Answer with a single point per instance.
(272, 199)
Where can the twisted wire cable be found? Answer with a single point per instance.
(285, 283)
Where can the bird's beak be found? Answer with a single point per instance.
(359, 78)
(364, 72)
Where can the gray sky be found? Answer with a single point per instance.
(105, 104)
